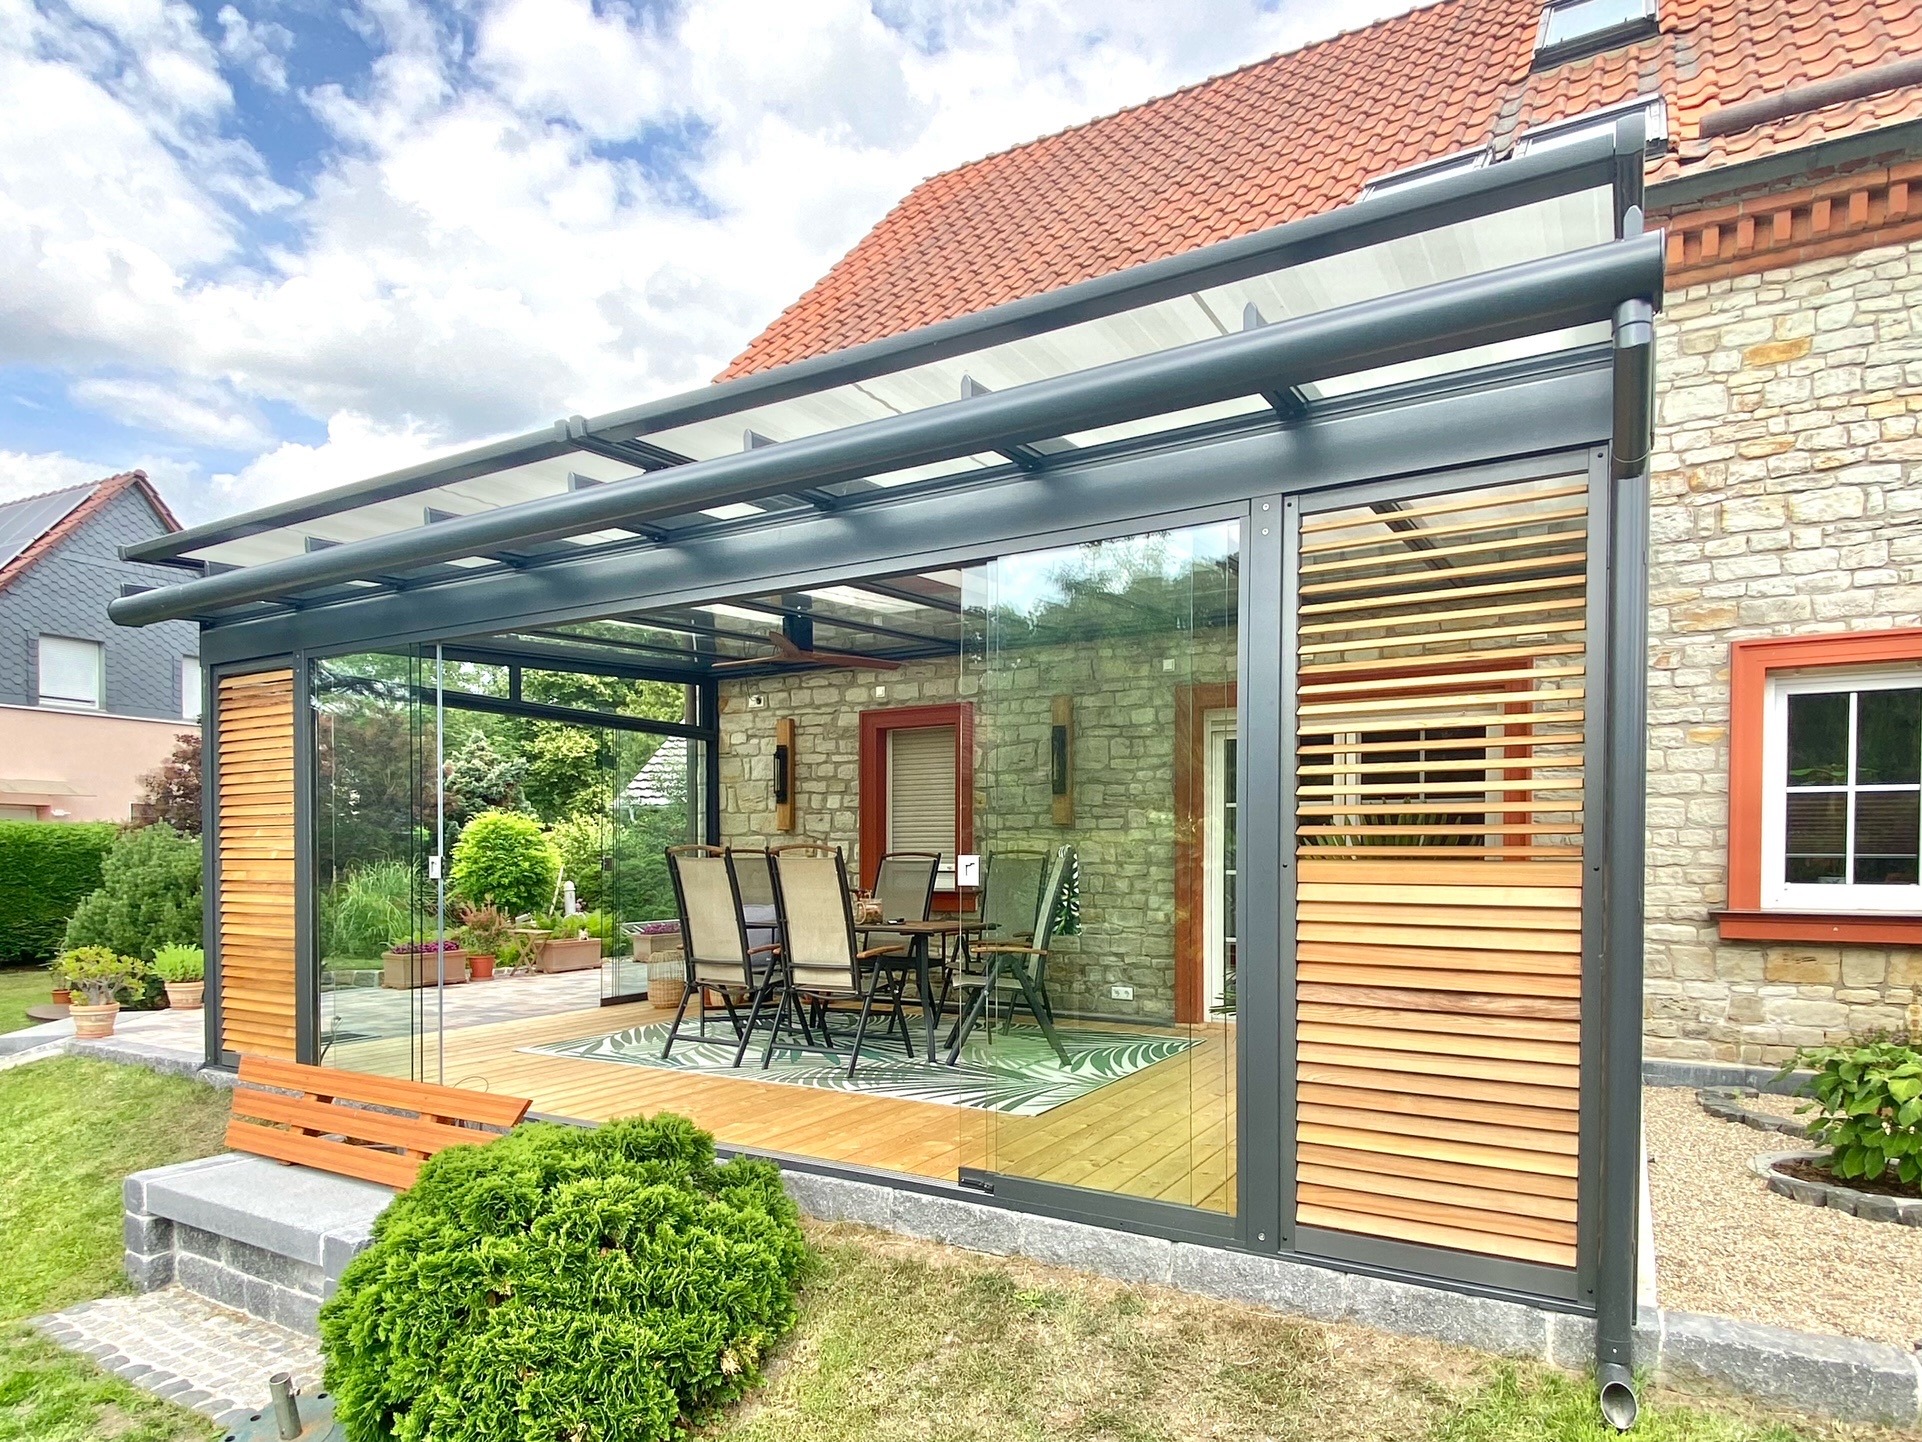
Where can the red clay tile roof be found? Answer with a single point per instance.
(1301, 132)
(103, 495)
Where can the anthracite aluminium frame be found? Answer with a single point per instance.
(1584, 411)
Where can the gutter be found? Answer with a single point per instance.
(1574, 289)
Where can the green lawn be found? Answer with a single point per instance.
(900, 1341)
(71, 1131)
(20, 988)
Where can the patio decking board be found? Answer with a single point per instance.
(1165, 1132)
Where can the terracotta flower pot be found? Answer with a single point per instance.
(62, 996)
(185, 995)
(90, 1023)
(481, 967)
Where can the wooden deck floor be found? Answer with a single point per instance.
(1165, 1132)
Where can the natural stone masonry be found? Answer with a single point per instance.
(187, 1349)
(1786, 499)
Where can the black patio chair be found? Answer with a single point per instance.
(1015, 965)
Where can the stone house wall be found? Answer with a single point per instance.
(1786, 500)
(1126, 692)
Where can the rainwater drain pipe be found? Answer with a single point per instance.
(1619, 869)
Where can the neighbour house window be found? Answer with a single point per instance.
(1842, 802)
(190, 698)
(72, 673)
(1574, 28)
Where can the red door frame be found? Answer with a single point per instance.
(875, 726)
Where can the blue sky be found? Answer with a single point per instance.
(263, 248)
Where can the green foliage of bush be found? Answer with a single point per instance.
(367, 909)
(507, 861)
(1868, 1108)
(45, 869)
(177, 962)
(564, 1283)
(621, 865)
(149, 895)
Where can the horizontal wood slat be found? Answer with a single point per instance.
(254, 843)
(1441, 705)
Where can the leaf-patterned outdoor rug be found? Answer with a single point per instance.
(1015, 1072)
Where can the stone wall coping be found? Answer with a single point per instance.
(297, 1212)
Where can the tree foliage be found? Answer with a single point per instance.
(564, 1283)
(171, 791)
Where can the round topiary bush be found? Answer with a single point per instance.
(566, 1284)
(507, 861)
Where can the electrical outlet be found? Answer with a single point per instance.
(1122, 993)
(756, 702)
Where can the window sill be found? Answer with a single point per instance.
(1894, 929)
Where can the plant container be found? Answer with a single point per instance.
(480, 966)
(666, 980)
(185, 995)
(62, 996)
(575, 953)
(90, 1023)
(405, 970)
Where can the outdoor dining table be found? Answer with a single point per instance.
(921, 934)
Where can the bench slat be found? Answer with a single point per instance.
(354, 1123)
(489, 1108)
(337, 1157)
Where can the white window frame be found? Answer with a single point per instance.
(1424, 171)
(193, 700)
(98, 701)
(1596, 41)
(1846, 898)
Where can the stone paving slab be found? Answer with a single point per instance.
(182, 1347)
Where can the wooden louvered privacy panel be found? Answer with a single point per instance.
(1438, 911)
(256, 837)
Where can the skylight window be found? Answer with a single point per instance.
(1574, 28)
(1428, 170)
(733, 511)
(1597, 122)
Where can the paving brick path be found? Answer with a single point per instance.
(188, 1350)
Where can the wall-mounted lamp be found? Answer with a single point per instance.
(784, 774)
(1061, 759)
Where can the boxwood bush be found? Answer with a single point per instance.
(563, 1283)
(507, 861)
(46, 867)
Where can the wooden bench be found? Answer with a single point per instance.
(330, 1124)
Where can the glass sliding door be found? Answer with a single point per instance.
(375, 907)
(1103, 680)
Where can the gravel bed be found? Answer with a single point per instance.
(1726, 1244)
(1777, 1106)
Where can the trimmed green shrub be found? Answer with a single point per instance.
(564, 1283)
(46, 867)
(507, 861)
(149, 895)
(1868, 1108)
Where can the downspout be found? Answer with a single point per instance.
(1621, 1049)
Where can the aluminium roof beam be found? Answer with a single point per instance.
(1287, 402)
(1593, 161)
(1557, 292)
(1030, 457)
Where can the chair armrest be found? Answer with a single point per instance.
(758, 950)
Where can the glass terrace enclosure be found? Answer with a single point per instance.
(1247, 645)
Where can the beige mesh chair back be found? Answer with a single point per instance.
(1010, 893)
(714, 943)
(817, 921)
(904, 891)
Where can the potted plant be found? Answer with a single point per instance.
(98, 973)
(408, 964)
(183, 970)
(569, 946)
(484, 933)
(62, 993)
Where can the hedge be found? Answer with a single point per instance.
(46, 867)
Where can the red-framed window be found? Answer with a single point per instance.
(900, 750)
(1825, 789)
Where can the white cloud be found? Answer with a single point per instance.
(28, 473)
(599, 203)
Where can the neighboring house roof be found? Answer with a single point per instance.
(1303, 131)
(662, 781)
(34, 526)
